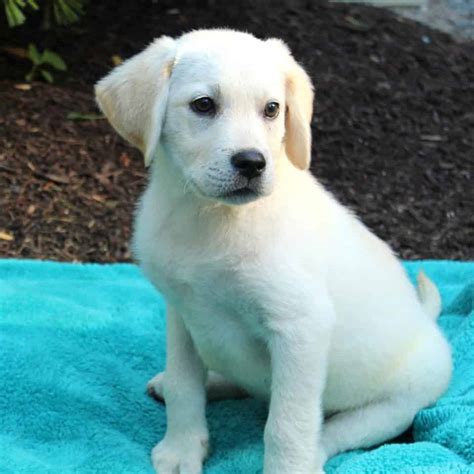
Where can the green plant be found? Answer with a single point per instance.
(63, 12)
(14, 10)
(41, 61)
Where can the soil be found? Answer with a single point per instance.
(393, 126)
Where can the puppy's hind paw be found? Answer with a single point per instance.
(154, 387)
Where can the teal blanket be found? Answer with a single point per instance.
(79, 342)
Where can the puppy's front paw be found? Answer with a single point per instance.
(180, 456)
(154, 387)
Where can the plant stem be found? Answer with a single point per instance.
(46, 25)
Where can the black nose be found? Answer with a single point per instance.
(249, 163)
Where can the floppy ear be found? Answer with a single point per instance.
(299, 102)
(299, 108)
(134, 95)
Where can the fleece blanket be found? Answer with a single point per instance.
(79, 342)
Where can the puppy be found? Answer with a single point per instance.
(273, 287)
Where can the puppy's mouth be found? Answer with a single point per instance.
(240, 193)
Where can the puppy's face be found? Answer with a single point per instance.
(224, 107)
(224, 125)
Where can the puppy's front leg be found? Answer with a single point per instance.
(298, 349)
(185, 444)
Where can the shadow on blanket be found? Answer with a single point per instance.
(79, 342)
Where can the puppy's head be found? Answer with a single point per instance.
(222, 106)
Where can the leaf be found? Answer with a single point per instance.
(47, 75)
(116, 60)
(29, 77)
(63, 12)
(355, 24)
(22, 87)
(55, 178)
(111, 204)
(77, 5)
(15, 16)
(98, 197)
(57, 12)
(431, 138)
(33, 4)
(6, 236)
(52, 58)
(79, 116)
(34, 54)
(125, 160)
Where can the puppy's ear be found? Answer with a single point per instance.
(299, 108)
(134, 95)
(299, 102)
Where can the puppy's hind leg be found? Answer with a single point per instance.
(368, 426)
(217, 388)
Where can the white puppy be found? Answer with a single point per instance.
(271, 284)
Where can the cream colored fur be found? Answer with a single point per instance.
(282, 293)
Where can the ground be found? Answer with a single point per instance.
(393, 126)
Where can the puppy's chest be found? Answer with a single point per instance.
(222, 310)
(214, 292)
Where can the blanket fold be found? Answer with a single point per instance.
(78, 343)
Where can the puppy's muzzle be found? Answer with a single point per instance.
(249, 163)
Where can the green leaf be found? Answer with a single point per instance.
(47, 75)
(79, 116)
(77, 5)
(49, 57)
(33, 4)
(10, 18)
(30, 76)
(15, 16)
(64, 13)
(34, 54)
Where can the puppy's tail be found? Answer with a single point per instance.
(429, 296)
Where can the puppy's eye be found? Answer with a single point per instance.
(272, 109)
(203, 106)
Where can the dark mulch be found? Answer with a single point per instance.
(393, 129)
